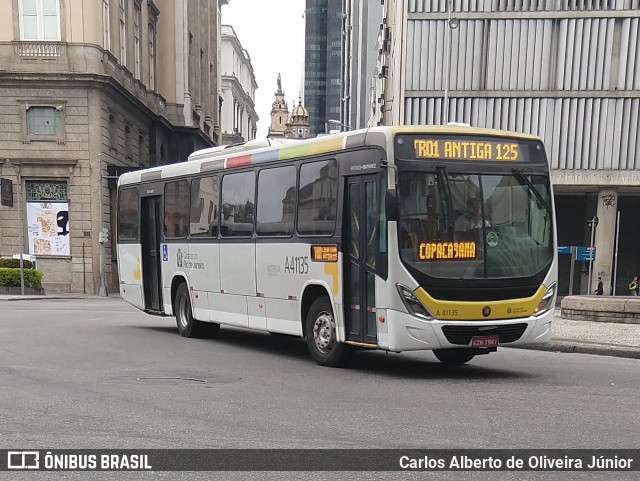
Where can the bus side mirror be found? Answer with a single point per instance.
(391, 205)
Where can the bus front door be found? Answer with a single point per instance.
(360, 251)
(150, 238)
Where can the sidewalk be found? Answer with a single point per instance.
(49, 297)
(604, 338)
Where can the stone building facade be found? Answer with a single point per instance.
(566, 70)
(90, 89)
(239, 117)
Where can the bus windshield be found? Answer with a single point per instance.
(471, 226)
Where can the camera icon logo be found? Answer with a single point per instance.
(23, 460)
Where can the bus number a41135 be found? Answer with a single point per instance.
(296, 265)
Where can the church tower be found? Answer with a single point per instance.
(298, 122)
(279, 114)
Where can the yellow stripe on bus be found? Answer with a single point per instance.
(468, 311)
(362, 344)
(329, 145)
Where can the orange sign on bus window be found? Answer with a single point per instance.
(324, 253)
(435, 251)
(466, 149)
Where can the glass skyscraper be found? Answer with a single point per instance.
(323, 60)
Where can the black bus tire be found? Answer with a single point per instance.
(454, 357)
(322, 341)
(187, 325)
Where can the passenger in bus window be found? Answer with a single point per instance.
(472, 217)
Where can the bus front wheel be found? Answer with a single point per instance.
(454, 356)
(187, 325)
(322, 340)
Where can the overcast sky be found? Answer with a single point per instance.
(272, 31)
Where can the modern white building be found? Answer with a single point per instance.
(239, 118)
(566, 70)
(362, 20)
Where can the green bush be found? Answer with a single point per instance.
(15, 263)
(11, 277)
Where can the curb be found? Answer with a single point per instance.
(52, 297)
(582, 347)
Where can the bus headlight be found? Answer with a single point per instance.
(546, 302)
(412, 303)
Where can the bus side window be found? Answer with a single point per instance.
(318, 198)
(128, 218)
(238, 204)
(204, 207)
(276, 201)
(176, 209)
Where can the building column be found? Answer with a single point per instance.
(605, 239)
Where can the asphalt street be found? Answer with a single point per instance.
(96, 373)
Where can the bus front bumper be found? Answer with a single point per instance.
(405, 332)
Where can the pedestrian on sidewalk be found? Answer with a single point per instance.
(600, 288)
(633, 286)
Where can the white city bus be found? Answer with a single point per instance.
(395, 238)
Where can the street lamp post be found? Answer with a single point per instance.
(337, 122)
(102, 236)
(18, 170)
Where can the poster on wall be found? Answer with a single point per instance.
(48, 227)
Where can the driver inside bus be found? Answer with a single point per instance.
(472, 217)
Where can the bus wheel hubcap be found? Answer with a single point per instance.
(182, 313)
(324, 332)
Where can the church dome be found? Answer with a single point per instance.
(300, 111)
(299, 115)
(297, 126)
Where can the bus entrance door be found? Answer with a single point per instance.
(360, 252)
(150, 238)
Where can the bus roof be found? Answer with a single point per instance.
(270, 150)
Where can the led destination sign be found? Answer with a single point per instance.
(466, 149)
(324, 253)
(469, 148)
(435, 251)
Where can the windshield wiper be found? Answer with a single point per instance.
(524, 181)
(443, 178)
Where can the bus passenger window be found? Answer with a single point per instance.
(128, 214)
(176, 209)
(204, 207)
(318, 198)
(238, 199)
(276, 201)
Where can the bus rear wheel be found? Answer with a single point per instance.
(322, 340)
(187, 325)
(454, 357)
